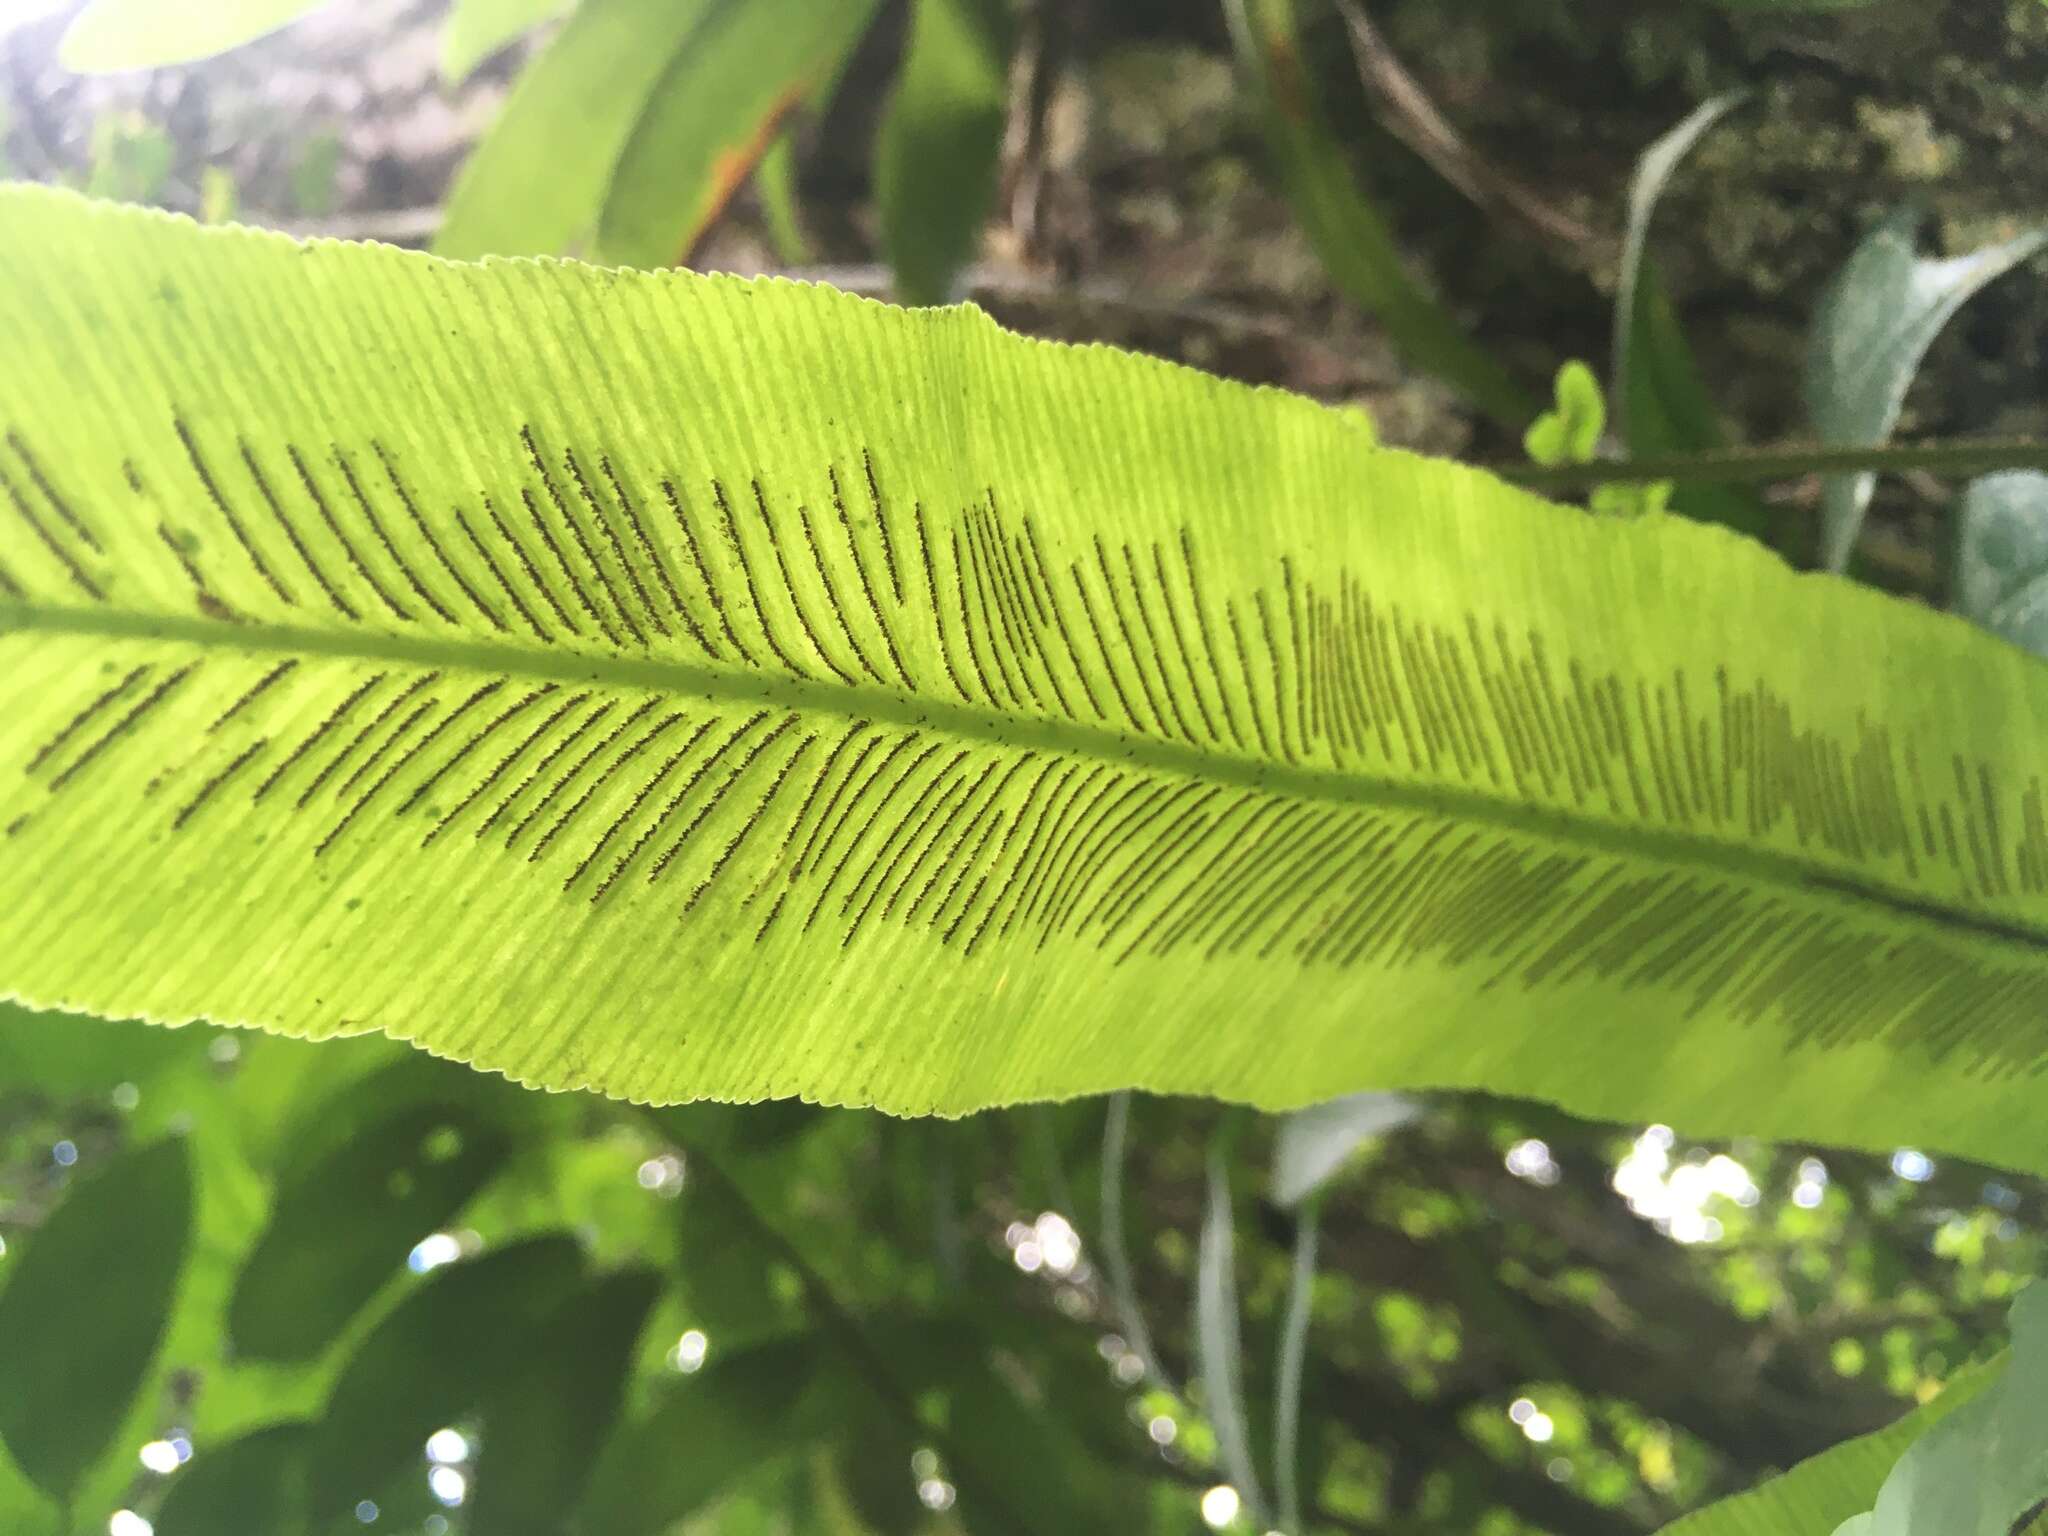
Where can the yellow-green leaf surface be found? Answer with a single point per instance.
(113, 35)
(682, 686)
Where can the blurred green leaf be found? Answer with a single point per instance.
(1569, 432)
(112, 35)
(546, 1419)
(1347, 231)
(69, 1056)
(1816, 1496)
(476, 29)
(438, 1354)
(714, 112)
(255, 1482)
(936, 155)
(1984, 1468)
(84, 1308)
(1315, 1142)
(1661, 401)
(313, 173)
(775, 181)
(572, 110)
(1877, 321)
(1654, 171)
(1293, 1357)
(2001, 571)
(705, 1433)
(343, 1227)
(1219, 1349)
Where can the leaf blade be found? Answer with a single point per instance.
(1161, 806)
(112, 1251)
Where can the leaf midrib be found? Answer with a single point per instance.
(888, 706)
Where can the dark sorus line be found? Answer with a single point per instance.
(717, 797)
(391, 551)
(753, 820)
(1038, 577)
(1005, 638)
(739, 548)
(1202, 628)
(1080, 812)
(640, 798)
(1265, 612)
(668, 585)
(832, 821)
(618, 549)
(123, 725)
(333, 719)
(1244, 672)
(1016, 610)
(890, 836)
(548, 759)
(398, 766)
(261, 686)
(504, 764)
(987, 817)
(779, 863)
(1171, 850)
(867, 464)
(1022, 882)
(1191, 892)
(1041, 824)
(533, 576)
(605, 774)
(441, 727)
(1157, 651)
(554, 548)
(575, 527)
(426, 533)
(837, 604)
(391, 707)
(712, 593)
(1010, 823)
(377, 754)
(207, 790)
(64, 557)
(497, 575)
(956, 803)
(58, 504)
(867, 585)
(796, 601)
(1096, 872)
(574, 771)
(1102, 652)
(899, 843)
(340, 604)
(1115, 602)
(461, 754)
(931, 587)
(11, 585)
(227, 512)
(78, 721)
(969, 629)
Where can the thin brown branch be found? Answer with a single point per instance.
(1405, 110)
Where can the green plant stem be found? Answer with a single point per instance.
(1293, 1351)
(1789, 462)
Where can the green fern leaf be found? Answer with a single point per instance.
(687, 687)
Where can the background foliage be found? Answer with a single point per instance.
(349, 1287)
